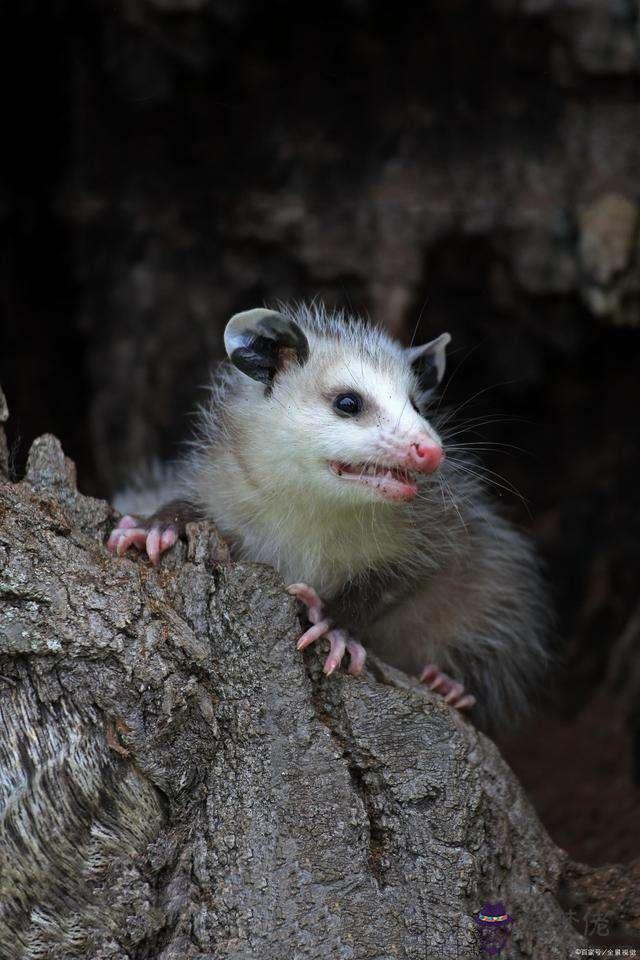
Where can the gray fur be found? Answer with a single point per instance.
(150, 488)
(442, 578)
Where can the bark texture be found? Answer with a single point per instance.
(178, 782)
(470, 165)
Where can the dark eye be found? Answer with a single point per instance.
(348, 404)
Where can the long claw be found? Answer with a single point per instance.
(429, 672)
(336, 653)
(134, 537)
(312, 634)
(455, 693)
(126, 523)
(154, 540)
(153, 545)
(452, 691)
(321, 625)
(466, 702)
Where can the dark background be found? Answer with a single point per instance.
(466, 166)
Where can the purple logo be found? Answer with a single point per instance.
(494, 927)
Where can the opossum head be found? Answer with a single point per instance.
(332, 406)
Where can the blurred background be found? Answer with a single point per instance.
(462, 166)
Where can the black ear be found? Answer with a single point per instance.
(262, 342)
(429, 361)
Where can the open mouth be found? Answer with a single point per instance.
(390, 483)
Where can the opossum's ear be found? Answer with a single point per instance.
(429, 361)
(262, 342)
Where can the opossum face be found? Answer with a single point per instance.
(360, 422)
(341, 416)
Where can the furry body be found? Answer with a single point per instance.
(436, 576)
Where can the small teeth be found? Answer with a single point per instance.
(379, 473)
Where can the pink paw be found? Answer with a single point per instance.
(452, 691)
(155, 539)
(340, 640)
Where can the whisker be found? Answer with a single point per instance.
(417, 323)
(454, 503)
(473, 424)
(455, 372)
(487, 476)
(489, 447)
(479, 393)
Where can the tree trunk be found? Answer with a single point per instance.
(178, 782)
(469, 167)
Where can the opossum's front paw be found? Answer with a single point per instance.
(452, 691)
(152, 537)
(340, 640)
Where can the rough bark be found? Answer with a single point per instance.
(178, 782)
(482, 159)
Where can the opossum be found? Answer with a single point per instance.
(318, 453)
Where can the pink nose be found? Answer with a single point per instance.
(425, 457)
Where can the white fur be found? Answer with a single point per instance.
(262, 465)
(448, 579)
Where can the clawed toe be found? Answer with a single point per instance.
(312, 634)
(155, 541)
(357, 655)
(159, 540)
(450, 690)
(466, 702)
(124, 537)
(454, 694)
(340, 641)
(308, 596)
